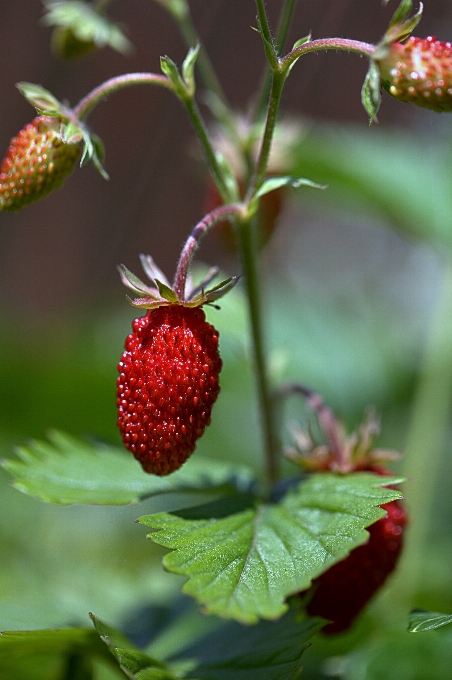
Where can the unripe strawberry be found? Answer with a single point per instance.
(37, 162)
(418, 71)
(167, 386)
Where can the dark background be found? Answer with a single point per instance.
(60, 254)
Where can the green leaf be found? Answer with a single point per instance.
(86, 24)
(276, 182)
(134, 662)
(421, 621)
(67, 470)
(371, 92)
(43, 100)
(64, 649)
(245, 565)
(271, 650)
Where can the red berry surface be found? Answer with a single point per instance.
(419, 71)
(167, 385)
(36, 163)
(343, 591)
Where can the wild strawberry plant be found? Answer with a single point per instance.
(272, 553)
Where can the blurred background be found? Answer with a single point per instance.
(357, 284)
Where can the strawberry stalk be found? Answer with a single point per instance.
(193, 242)
(93, 98)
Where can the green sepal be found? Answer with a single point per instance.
(400, 27)
(188, 68)
(132, 281)
(43, 100)
(166, 292)
(86, 24)
(170, 70)
(93, 150)
(423, 621)
(371, 92)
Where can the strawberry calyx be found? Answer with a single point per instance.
(339, 451)
(161, 294)
(72, 129)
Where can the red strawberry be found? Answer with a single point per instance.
(419, 71)
(341, 592)
(37, 162)
(167, 386)
(344, 590)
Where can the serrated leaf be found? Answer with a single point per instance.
(371, 92)
(422, 621)
(277, 182)
(66, 470)
(86, 24)
(271, 650)
(135, 663)
(245, 565)
(43, 100)
(30, 643)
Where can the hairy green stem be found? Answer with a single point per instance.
(341, 44)
(253, 289)
(209, 152)
(223, 212)
(93, 98)
(267, 138)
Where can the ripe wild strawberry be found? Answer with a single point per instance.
(341, 592)
(37, 162)
(419, 71)
(167, 386)
(344, 589)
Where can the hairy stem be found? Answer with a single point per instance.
(93, 98)
(253, 289)
(192, 244)
(342, 44)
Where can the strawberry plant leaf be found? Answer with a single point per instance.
(276, 182)
(131, 660)
(244, 566)
(86, 24)
(66, 470)
(422, 621)
(270, 650)
(69, 648)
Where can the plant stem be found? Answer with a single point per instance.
(194, 240)
(190, 35)
(341, 44)
(250, 269)
(87, 104)
(267, 138)
(215, 169)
